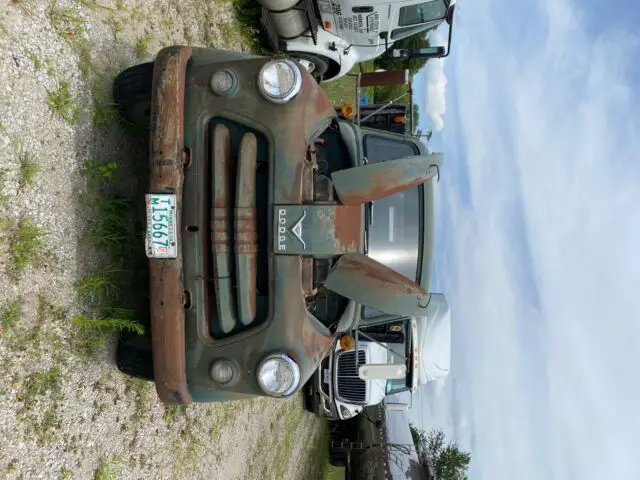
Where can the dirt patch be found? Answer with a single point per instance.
(65, 410)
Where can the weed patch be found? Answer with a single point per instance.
(142, 47)
(29, 168)
(248, 13)
(105, 471)
(46, 383)
(4, 198)
(66, 21)
(26, 245)
(11, 314)
(61, 103)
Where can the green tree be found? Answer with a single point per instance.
(419, 40)
(446, 459)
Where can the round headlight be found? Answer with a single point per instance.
(280, 80)
(222, 371)
(278, 375)
(223, 82)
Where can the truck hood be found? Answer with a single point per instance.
(434, 340)
(377, 388)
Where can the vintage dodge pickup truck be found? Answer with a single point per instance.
(257, 215)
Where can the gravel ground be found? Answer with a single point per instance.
(64, 414)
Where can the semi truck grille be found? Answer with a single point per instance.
(238, 174)
(351, 388)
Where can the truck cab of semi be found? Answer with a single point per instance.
(258, 211)
(330, 36)
(394, 356)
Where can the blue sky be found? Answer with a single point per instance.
(539, 239)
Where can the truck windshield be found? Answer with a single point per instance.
(422, 13)
(400, 384)
(394, 233)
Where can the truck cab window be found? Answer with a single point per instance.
(394, 233)
(422, 13)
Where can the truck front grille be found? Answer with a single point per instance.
(239, 219)
(351, 388)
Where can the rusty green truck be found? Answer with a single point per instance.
(256, 223)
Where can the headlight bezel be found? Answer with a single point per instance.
(295, 89)
(287, 360)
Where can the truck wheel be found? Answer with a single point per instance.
(132, 93)
(134, 357)
(312, 403)
(316, 65)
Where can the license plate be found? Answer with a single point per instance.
(325, 376)
(161, 241)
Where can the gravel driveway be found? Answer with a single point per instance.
(65, 410)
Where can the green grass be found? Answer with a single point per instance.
(112, 225)
(66, 21)
(44, 429)
(26, 6)
(344, 88)
(248, 14)
(98, 171)
(142, 46)
(36, 60)
(4, 198)
(98, 287)
(26, 245)
(10, 315)
(92, 332)
(29, 168)
(61, 103)
(40, 384)
(105, 470)
(107, 324)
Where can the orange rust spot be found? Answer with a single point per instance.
(375, 272)
(348, 226)
(382, 184)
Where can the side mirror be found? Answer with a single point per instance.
(385, 37)
(429, 52)
(396, 407)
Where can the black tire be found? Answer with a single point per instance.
(312, 403)
(338, 459)
(321, 63)
(134, 357)
(132, 93)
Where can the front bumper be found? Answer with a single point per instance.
(167, 176)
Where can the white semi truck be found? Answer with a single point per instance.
(328, 37)
(391, 356)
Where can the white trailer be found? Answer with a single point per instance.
(330, 36)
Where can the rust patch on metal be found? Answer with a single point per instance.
(348, 226)
(379, 186)
(306, 276)
(393, 281)
(166, 290)
(246, 229)
(222, 226)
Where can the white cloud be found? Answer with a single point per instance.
(545, 309)
(435, 86)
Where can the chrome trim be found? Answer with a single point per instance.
(291, 363)
(297, 85)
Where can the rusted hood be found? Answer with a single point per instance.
(374, 181)
(371, 283)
